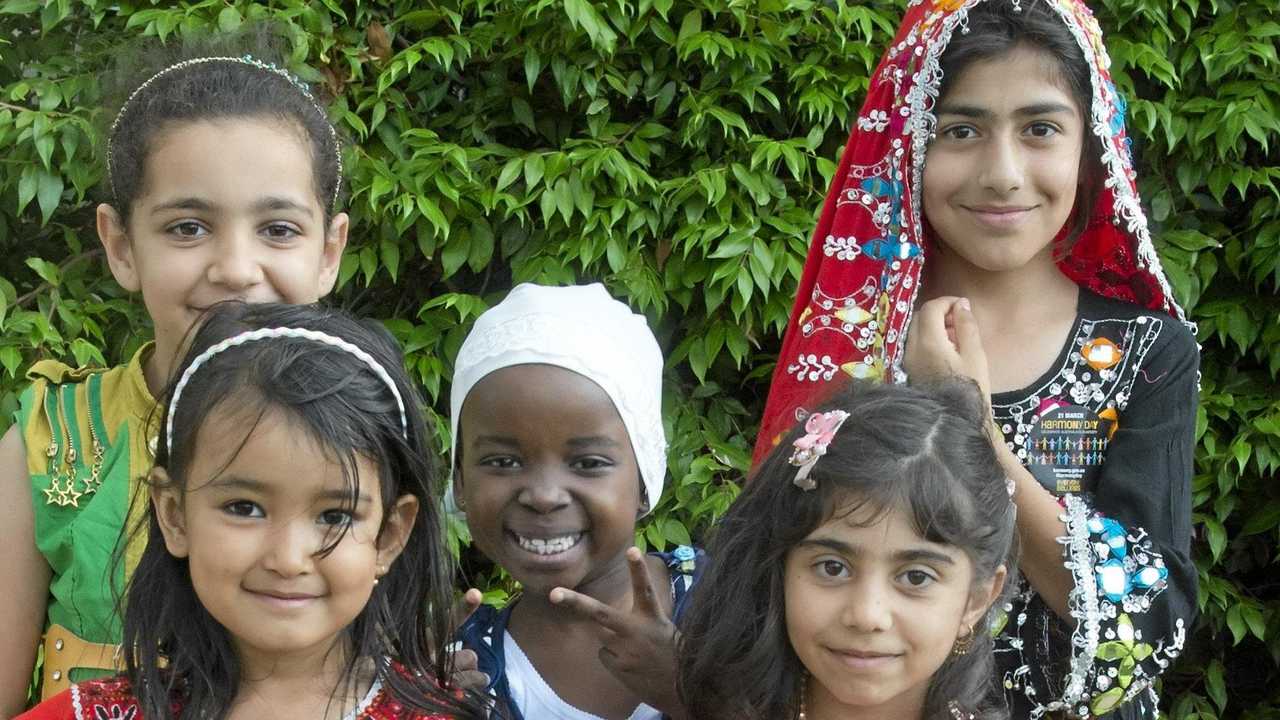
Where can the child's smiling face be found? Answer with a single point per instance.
(228, 211)
(548, 478)
(1001, 177)
(252, 523)
(873, 610)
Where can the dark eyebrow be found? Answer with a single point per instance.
(916, 554)
(499, 440)
(592, 441)
(839, 546)
(235, 482)
(343, 495)
(980, 113)
(185, 203)
(266, 204)
(923, 554)
(280, 203)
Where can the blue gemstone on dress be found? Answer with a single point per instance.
(1150, 576)
(1113, 580)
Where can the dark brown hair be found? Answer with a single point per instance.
(996, 29)
(172, 645)
(209, 91)
(923, 449)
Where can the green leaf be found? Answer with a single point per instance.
(434, 215)
(1217, 535)
(229, 20)
(11, 359)
(454, 256)
(532, 66)
(1264, 519)
(509, 173)
(390, 252)
(46, 270)
(534, 166)
(481, 245)
(86, 353)
(1216, 684)
(27, 183)
(675, 533)
(1257, 623)
(690, 26)
(564, 199)
(523, 111)
(1235, 622)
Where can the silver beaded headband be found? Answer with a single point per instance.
(242, 60)
(266, 334)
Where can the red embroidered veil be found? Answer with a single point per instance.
(863, 269)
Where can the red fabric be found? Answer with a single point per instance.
(864, 264)
(108, 699)
(113, 699)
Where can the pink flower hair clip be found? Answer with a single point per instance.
(819, 430)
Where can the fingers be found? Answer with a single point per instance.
(967, 335)
(471, 601)
(969, 347)
(466, 673)
(930, 352)
(473, 680)
(588, 608)
(644, 597)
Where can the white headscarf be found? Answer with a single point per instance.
(582, 329)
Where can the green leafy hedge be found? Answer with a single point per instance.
(678, 150)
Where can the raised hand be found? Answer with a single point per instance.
(466, 664)
(944, 340)
(639, 646)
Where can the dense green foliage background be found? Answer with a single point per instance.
(678, 150)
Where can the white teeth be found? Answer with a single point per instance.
(548, 546)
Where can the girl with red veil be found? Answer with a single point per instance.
(984, 221)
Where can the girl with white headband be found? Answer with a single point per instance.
(294, 559)
(223, 181)
(558, 449)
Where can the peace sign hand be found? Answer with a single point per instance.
(466, 664)
(640, 645)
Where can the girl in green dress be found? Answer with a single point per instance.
(225, 178)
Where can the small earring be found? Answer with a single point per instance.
(381, 570)
(964, 643)
(933, 137)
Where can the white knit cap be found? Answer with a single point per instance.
(582, 329)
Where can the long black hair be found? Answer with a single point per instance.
(997, 27)
(173, 648)
(199, 91)
(922, 449)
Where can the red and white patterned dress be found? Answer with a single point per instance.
(113, 699)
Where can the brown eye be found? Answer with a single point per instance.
(831, 569)
(917, 579)
(281, 232)
(243, 508)
(1042, 130)
(187, 230)
(339, 518)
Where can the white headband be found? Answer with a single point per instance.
(275, 332)
(582, 329)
